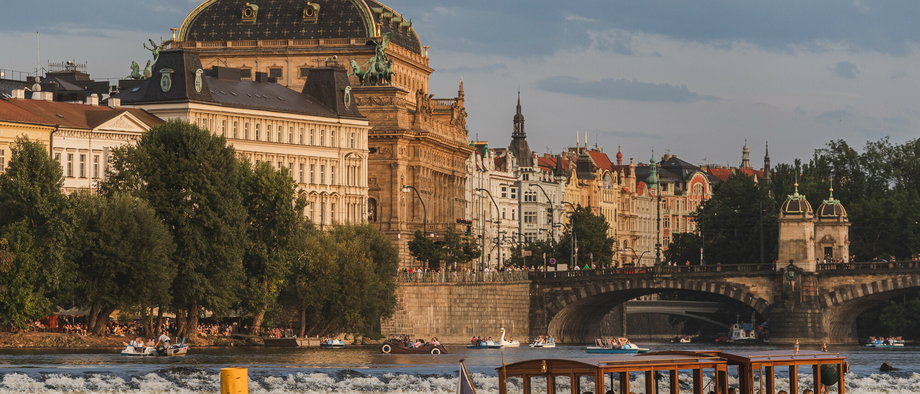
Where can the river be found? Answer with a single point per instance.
(351, 370)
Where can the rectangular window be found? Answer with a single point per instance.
(504, 192)
(312, 132)
(304, 72)
(352, 143)
(301, 141)
(514, 193)
(530, 217)
(246, 130)
(236, 126)
(246, 73)
(312, 173)
(322, 138)
(258, 131)
(280, 135)
(332, 175)
(301, 172)
(332, 141)
(223, 128)
(291, 135)
(82, 166)
(268, 133)
(2, 160)
(96, 166)
(275, 72)
(70, 165)
(280, 165)
(332, 212)
(322, 175)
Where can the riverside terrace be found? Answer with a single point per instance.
(755, 372)
(813, 307)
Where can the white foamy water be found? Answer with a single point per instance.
(317, 382)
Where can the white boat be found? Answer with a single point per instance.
(543, 342)
(743, 332)
(174, 350)
(332, 344)
(505, 343)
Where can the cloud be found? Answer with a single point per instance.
(578, 18)
(616, 41)
(621, 89)
(846, 70)
(838, 115)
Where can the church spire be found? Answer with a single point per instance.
(519, 145)
(745, 156)
(766, 164)
(519, 120)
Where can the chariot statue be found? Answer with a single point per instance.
(379, 68)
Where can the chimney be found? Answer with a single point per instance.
(40, 95)
(114, 102)
(19, 93)
(91, 100)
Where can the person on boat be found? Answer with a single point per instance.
(137, 344)
(435, 342)
(162, 341)
(550, 339)
(418, 343)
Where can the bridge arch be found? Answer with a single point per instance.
(845, 302)
(575, 315)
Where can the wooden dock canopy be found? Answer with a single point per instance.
(586, 375)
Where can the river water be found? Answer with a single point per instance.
(352, 370)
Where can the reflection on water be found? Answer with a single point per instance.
(282, 370)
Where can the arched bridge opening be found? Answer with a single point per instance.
(577, 315)
(845, 303)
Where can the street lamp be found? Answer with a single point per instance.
(498, 224)
(406, 189)
(552, 214)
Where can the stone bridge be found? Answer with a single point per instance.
(814, 307)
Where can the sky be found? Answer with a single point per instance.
(693, 78)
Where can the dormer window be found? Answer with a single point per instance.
(250, 13)
(311, 12)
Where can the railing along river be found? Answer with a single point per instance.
(461, 277)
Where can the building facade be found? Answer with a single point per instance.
(415, 139)
(317, 136)
(79, 136)
(808, 238)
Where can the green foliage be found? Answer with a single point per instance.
(591, 239)
(684, 247)
(344, 281)
(450, 251)
(538, 249)
(902, 318)
(880, 188)
(731, 219)
(35, 224)
(123, 256)
(423, 249)
(192, 180)
(270, 248)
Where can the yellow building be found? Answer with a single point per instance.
(16, 122)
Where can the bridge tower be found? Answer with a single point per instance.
(796, 233)
(832, 230)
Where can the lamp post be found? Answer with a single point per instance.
(552, 214)
(406, 189)
(498, 224)
(574, 257)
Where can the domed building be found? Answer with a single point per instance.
(415, 139)
(832, 230)
(807, 237)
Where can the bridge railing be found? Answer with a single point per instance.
(461, 277)
(868, 266)
(630, 271)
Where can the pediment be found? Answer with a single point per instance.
(124, 122)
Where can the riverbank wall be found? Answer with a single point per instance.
(454, 312)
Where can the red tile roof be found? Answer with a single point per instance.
(71, 115)
(601, 159)
(721, 173)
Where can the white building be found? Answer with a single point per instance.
(318, 135)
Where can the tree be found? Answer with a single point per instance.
(684, 247)
(35, 224)
(539, 250)
(731, 219)
(192, 180)
(424, 250)
(311, 282)
(456, 249)
(273, 216)
(123, 256)
(592, 241)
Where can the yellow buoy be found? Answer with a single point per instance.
(234, 381)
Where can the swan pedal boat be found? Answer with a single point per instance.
(173, 350)
(504, 343)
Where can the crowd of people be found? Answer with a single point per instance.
(891, 341)
(418, 343)
(133, 328)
